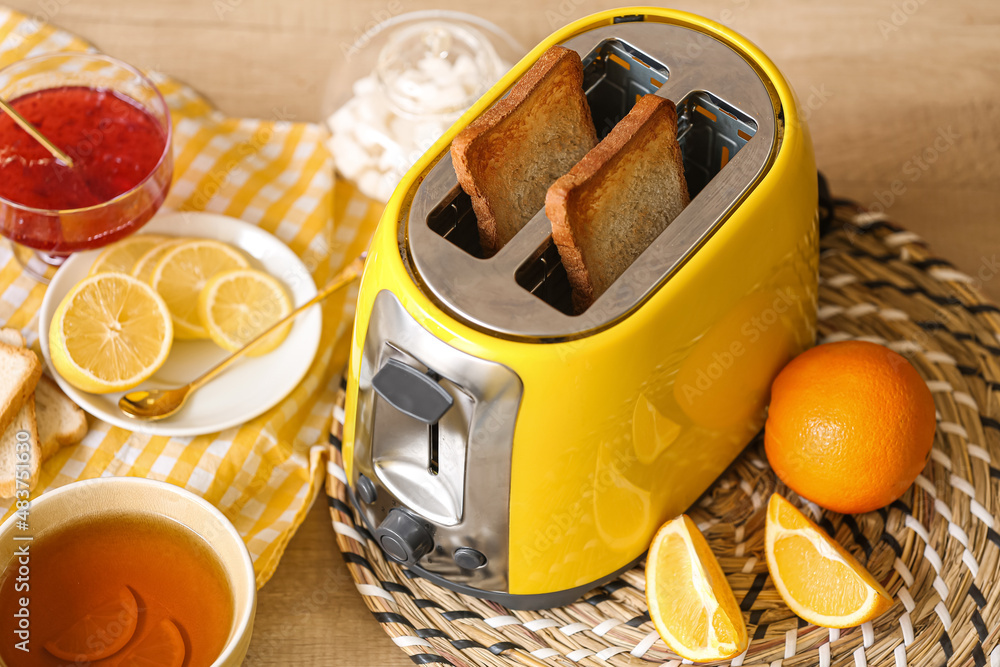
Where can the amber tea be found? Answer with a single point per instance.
(117, 591)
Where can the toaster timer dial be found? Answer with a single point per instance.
(403, 537)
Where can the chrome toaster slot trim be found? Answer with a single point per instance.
(463, 505)
(728, 129)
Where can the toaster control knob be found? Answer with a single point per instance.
(366, 490)
(403, 537)
(468, 558)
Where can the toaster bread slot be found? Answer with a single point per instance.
(455, 220)
(615, 75)
(544, 276)
(710, 133)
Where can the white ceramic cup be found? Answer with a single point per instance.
(92, 498)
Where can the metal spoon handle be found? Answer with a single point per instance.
(344, 278)
(35, 134)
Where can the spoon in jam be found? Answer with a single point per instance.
(35, 134)
(156, 404)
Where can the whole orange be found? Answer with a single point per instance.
(850, 426)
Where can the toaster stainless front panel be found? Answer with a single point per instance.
(453, 476)
(728, 130)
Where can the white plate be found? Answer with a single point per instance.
(243, 392)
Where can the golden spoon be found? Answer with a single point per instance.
(155, 404)
(35, 134)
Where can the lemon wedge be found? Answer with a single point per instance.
(690, 602)
(120, 257)
(110, 333)
(236, 306)
(181, 274)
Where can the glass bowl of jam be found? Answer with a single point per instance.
(113, 123)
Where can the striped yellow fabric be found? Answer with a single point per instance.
(276, 174)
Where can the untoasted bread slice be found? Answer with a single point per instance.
(61, 422)
(507, 158)
(19, 373)
(12, 337)
(8, 446)
(15, 457)
(608, 209)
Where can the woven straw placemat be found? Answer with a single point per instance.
(936, 549)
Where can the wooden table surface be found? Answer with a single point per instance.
(903, 99)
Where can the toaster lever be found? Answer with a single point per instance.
(413, 393)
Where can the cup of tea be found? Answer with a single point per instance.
(123, 570)
(114, 125)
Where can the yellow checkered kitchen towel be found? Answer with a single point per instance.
(276, 174)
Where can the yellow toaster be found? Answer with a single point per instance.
(502, 446)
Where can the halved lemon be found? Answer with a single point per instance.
(817, 578)
(120, 257)
(182, 273)
(161, 646)
(236, 306)
(101, 633)
(110, 333)
(146, 264)
(690, 602)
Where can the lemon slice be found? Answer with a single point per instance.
(120, 257)
(182, 273)
(817, 578)
(690, 602)
(110, 333)
(146, 264)
(236, 306)
(103, 632)
(161, 646)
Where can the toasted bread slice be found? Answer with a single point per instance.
(61, 422)
(12, 455)
(19, 373)
(507, 158)
(608, 209)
